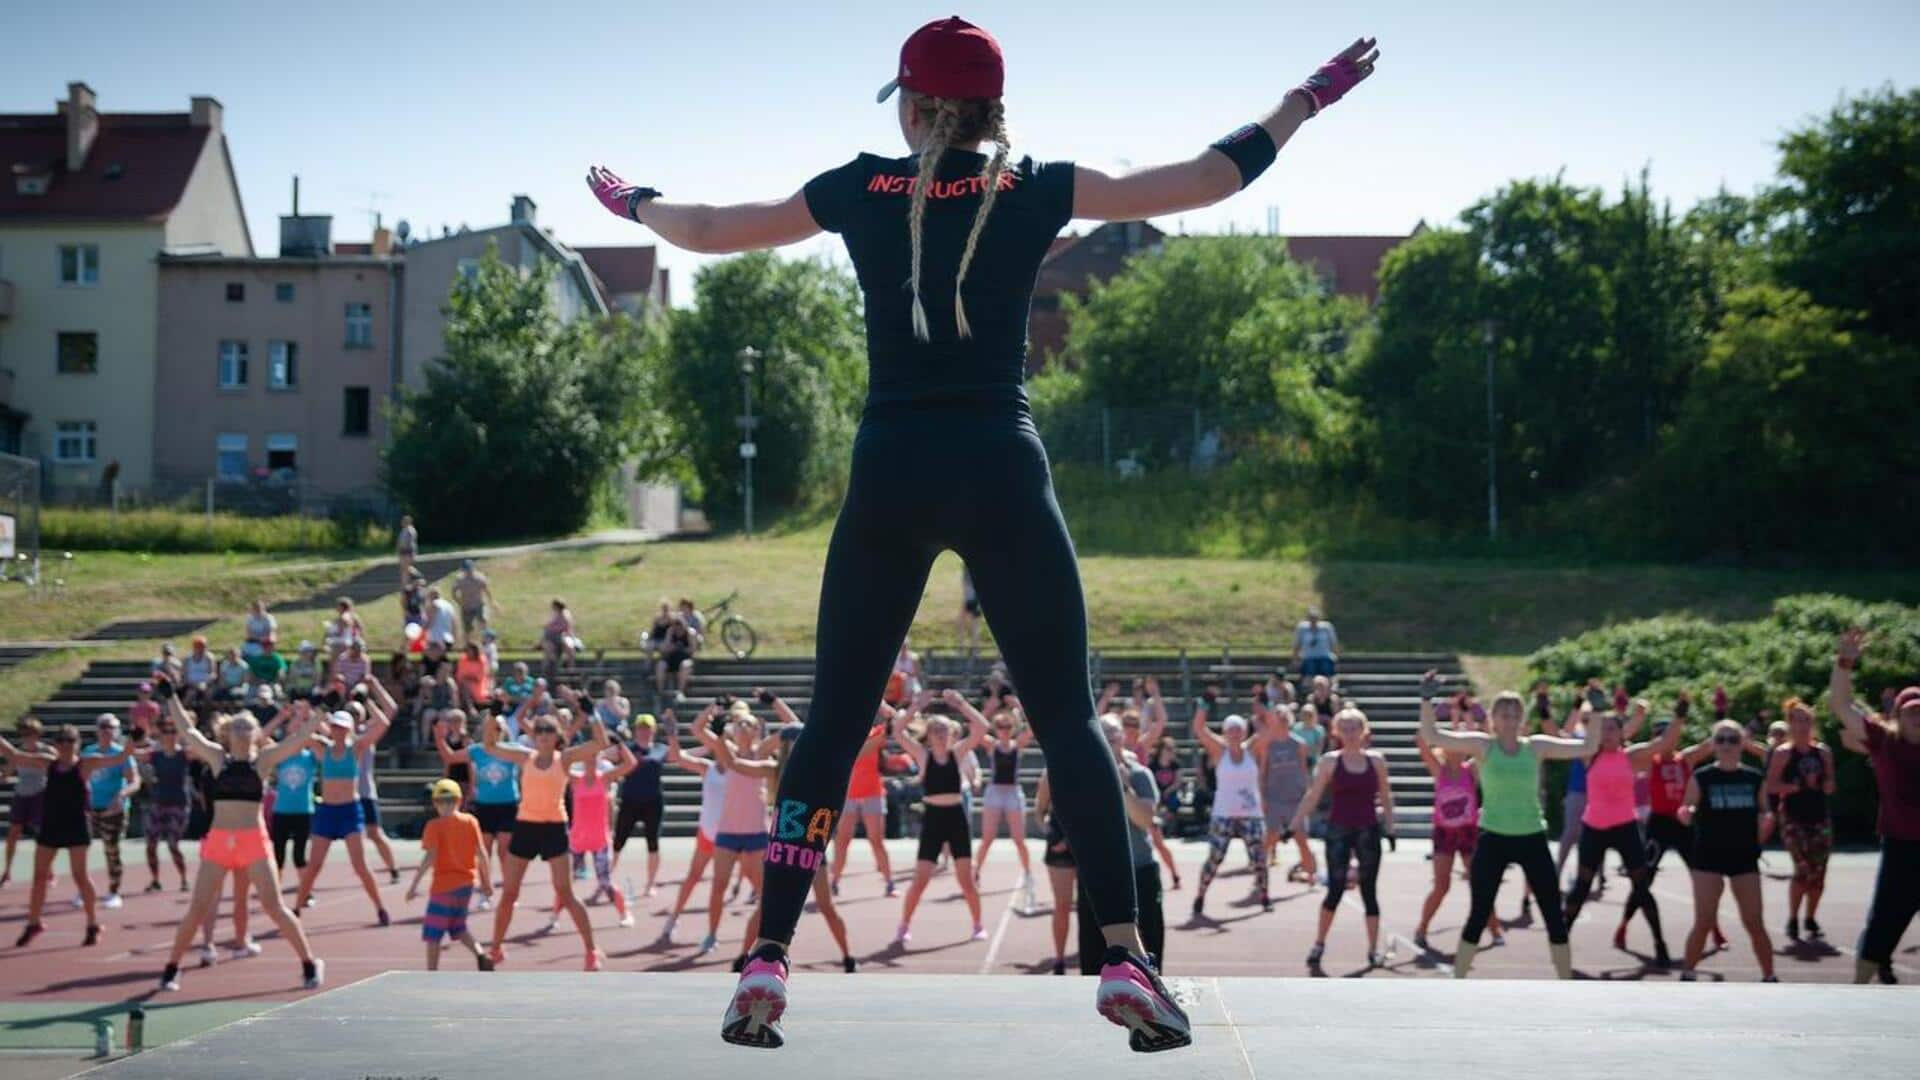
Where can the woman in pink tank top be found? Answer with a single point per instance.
(589, 831)
(1456, 816)
(1610, 822)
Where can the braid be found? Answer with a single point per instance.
(996, 129)
(946, 119)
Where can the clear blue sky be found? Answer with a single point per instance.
(442, 117)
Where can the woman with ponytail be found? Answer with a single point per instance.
(946, 242)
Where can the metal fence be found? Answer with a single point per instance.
(1132, 440)
(19, 509)
(276, 495)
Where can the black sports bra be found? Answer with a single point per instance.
(239, 781)
(943, 777)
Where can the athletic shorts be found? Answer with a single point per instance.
(26, 812)
(1057, 854)
(1006, 798)
(675, 658)
(1455, 839)
(234, 849)
(63, 834)
(538, 840)
(1711, 860)
(166, 824)
(446, 914)
(871, 804)
(337, 821)
(471, 615)
(744, 843)
(945, 827)
(1624, 839)
(495, 818)
(370, 813)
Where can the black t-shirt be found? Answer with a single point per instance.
(867, 202)
(1728, 817)
(1808, 805)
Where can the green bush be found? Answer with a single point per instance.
(1760, 663)
(173, 531)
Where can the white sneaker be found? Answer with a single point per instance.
(112, 902)
(666, 930)
(484, 903)
(208, 956)
(78, 903)
(553, 923)
(245, 949)
(627, 919)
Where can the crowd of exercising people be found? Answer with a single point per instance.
(567, 779)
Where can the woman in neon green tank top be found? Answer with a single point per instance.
(1512, 828)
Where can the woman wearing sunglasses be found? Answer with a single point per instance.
(1725, 807)
(63, 819)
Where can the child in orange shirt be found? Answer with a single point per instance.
(451, 845)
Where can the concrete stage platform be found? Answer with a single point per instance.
(526, 1026)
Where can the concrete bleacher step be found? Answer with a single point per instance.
(140, 629)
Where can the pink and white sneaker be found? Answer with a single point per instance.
(1132, 996)
(760, 999)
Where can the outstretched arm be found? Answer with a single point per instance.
(1466, 742)
(1228, 165)
(713, 230)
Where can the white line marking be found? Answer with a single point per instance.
(1000, 932)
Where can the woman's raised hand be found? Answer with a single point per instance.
(1331, 81)
(619, 197)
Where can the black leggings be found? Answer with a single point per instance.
(642, 812)
(1342, 843)
(1896, 899)
(1625, 839)
(973, 479)
(1664, 834)
(290, 827)
(1153, 923)
(1491, 856)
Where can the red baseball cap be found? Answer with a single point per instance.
(949, 58)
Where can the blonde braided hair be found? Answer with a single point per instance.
(951, 120)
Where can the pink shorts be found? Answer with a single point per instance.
(234, 849)
(1455, 839)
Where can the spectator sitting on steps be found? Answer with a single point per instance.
(231, 681)
(305, 672)
(261, 626)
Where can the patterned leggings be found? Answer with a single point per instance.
(602, 869)
(108, 826)
(1221, 833)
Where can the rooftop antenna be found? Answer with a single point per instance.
(296, 194)
(373, 205)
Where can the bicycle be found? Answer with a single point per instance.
(733, 630)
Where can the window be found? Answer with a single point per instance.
(230, 456)
(79, 264)
(282, 452)
(79, 354)
(468, 269)
(283, 292)
(359, 326)
(233, 365)
(357, 411)
(236, 292)
(73, 441)
(283, 371)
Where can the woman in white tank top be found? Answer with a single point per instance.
(1237, 756)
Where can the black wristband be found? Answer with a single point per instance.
(636, 197)
(1250, 149)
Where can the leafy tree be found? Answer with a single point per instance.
(803, 317)
(1848, 209)
(524, 419)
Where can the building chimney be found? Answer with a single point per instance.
(83, 124)
(523, 209)
(206, 113)
(382, 241)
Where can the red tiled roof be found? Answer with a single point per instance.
(1353, 262)
(155, 154)
(1073, 263)
(353, 249)
(628, 269)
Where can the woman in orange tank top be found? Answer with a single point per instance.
(540, 825)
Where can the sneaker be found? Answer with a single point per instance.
(485, 904)
(740, 963)
(152, 886)
(112, 902)
(1526, 908)
(93, 935)
(707, 945)
(626, 919)
(979, 933)
(170, 978)
(891, 891)
(1420, 941)
(666, 929)
(850, 964)
(1770, 978)
(553, 923)
(1813, 929)
(1661, 959)
(244, 949)
(77, 902)
(759, 1001)
(1314, 954)
(28, 933)
(1199, 905)
(384, 919)
(1793, 929)
(1376, 960)
(483, 962)
(1059, 967)
(184, 887)
(1719, 940)
(1131, 995)
(313, 973)
(1499, 939)
(1687, 976)
(833, 887)
(595, 960)
(209, 956)
(1620, 937)
(1886, 975)
(393, 873)
(902, 935)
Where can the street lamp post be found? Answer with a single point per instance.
(746, 421)
(1493, 483)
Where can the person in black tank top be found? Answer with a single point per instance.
(943, 819)
(1800, 775)
(946, 243)
(63, 819)
(1006, 800)
(1726, 807)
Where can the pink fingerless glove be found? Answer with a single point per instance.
(1330, 83)
(618, 196)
